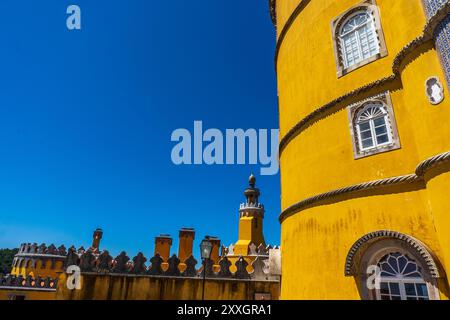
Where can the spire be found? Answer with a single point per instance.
(252, 193)
(252, 180)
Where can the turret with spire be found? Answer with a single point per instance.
(251, 215)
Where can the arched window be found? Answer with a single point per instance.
(390, 265)
(373, 127)
(401, 279)
(358, 39)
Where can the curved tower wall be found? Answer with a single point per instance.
(329, 197)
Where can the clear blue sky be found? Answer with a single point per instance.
(86, 118)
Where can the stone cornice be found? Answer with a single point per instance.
(427, 35)
(418, 176)
(39, 255)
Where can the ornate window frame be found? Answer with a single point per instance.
(381, 248)
(370, 7)
(370, 248)
(353, 112)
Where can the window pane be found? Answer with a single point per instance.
(422, 289)
(410, 289)
(366, 134)
(364, 126)
(379, 122)
(384, 289)
(367, 143)
(380, 130)
(395, 288)
(410, 267)
(382, 139)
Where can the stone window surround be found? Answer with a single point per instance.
(369, 5)
(377, 250)
(352, 112)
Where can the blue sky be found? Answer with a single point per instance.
(86, 118)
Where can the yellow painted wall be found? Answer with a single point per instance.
(315, 241)
(38, 270)
(5, 294)
(110, 287)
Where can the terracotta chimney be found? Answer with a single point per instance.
(186, 241)
(163, 243)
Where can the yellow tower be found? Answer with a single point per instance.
(365, 143)
(38, 261)
(251, 216)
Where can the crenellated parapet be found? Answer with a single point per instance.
(34, 256)
(253, 250)
(122, 264)
(28, 283)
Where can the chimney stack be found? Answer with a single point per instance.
(186, 241)
(97, 236)
(163, 243)
(215, 251)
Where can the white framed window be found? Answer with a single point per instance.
(372, 126)
(401, 279)
(358, 37)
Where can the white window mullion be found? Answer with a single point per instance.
(374, 134)
(402, 289)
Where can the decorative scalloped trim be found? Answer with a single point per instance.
(418, 176)
(412, 242)
(427, 35)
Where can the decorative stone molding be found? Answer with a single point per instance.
(413, 243)
(418, 176)
(429, 163)
(320, 112)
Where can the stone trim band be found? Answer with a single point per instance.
(418, 176)
(427, 35)
(415, 244)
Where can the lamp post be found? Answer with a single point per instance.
(205, 252)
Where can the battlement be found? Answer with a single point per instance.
(253, 250)
(104, 263)
(28, 283)
(29, 249)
